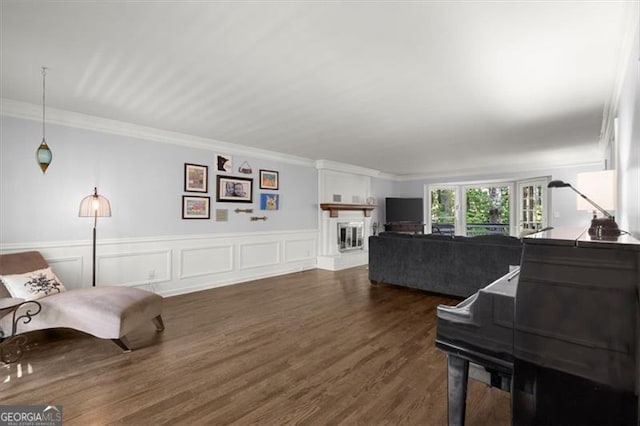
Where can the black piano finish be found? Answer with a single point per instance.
(574, 335)
(478, 330)
(484, 321)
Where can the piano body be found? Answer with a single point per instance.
(561, 333)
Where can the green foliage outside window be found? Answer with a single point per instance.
(442, 206)
(487, 205)
(484, 205)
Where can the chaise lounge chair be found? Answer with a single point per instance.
(104, 312)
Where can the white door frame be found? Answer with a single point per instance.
(546, 205)
(457, 194)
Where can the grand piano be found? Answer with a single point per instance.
(560, 332)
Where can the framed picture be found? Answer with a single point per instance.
(268, 179)
(224, 163)
(195, 178)
(269, 201)
(195, 207)
(234, 189)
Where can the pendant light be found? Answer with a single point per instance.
(43, 154)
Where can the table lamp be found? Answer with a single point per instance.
(602, 187)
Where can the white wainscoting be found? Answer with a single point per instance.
(209, 260)
(68, 269)
(134, 268)
(179, 264)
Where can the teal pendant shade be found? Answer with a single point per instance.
(44, 156)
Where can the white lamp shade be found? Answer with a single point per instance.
(598, 186)
(94, 206)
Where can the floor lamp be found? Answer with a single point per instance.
(94, 205)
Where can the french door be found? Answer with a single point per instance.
(532, 205)
(444, 207)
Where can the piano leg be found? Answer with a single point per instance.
(457, 377)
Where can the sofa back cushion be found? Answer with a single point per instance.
(496, 239)
(457, 266)
(19, 263)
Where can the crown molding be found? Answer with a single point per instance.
(347, 168)
(388, 176)
(510, 168)
(28, 111)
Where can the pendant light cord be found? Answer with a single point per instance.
(44, 73)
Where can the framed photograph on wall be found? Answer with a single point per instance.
(234, 189)
(269, 179)
(269, 201)
(195, 178)
(195, 207)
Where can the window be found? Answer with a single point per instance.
(488, 208)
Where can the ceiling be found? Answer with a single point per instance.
(406, 88)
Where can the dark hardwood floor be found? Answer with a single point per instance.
(313, 347)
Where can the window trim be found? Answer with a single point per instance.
(461, 199)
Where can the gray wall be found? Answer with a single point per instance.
(380, 189)
(628, 161)
(144, 180)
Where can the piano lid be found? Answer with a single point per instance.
(579, 237)
(557, 236)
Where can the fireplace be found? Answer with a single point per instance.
(344, 233)
(350, 236)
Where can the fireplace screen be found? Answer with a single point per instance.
(350, 236)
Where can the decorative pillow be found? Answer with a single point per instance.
(33, 285)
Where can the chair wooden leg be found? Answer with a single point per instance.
(157, 321)
(123, 343)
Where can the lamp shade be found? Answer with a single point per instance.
(44, 156)
(600, 187)
(94, 206)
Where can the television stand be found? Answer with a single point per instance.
(410, 227)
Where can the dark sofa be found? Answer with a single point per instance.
(457, 266)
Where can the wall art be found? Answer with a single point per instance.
(269, 202)
(269, 179)
(234, 189)
(195, 207)
(245, 168)
(195, 178)
(224, 163)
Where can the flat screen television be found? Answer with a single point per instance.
(404, 210)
